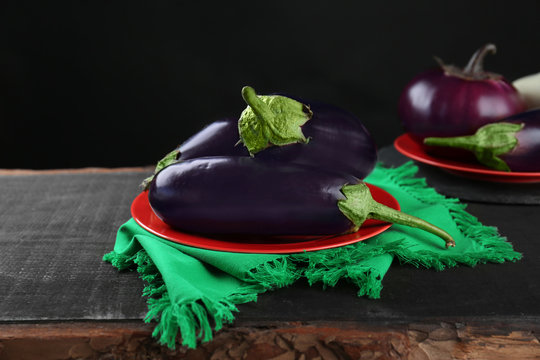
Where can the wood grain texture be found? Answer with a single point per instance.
(278, 341)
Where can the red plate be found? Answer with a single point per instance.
(145, 216)
(415, 150)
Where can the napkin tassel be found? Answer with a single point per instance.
(278, 273)
(194, 319)
(352, 263)
(495, 248)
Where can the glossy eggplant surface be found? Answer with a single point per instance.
(525, 156)
(243, 195)
(338, 141)
(453, 101)
(247, 196)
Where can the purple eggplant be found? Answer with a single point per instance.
(512, 144)
(450, 101)
(337, 141)
(247, 196)
(334, 139)
(217, 138)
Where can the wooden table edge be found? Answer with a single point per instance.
(286, 340)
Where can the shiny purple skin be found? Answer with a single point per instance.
(244, 196)
(441, 105)
(338, 142)
(525, 157)
(215, 139)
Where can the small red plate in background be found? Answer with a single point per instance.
(415, 150)
(145, 216)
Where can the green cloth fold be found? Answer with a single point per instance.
(194, 292)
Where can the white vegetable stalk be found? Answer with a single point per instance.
(529, 88)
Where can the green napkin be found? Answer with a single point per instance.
(193, 292)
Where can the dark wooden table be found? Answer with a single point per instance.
(59, 300)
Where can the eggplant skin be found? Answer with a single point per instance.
(435, 104)
(338, 141)
(245, 196)
(525, 157)
(215, 139)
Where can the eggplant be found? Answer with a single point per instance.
(217, 138)
(332, 138)
(246, 196)
(453, 101)
(336, 140)
(512, 144)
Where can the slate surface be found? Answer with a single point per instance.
(54, 230)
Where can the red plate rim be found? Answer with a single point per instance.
(413, 149)
(146, 218)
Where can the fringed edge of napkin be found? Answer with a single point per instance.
(330, 266)
(344, 263)
(196, 320)
(496, 248)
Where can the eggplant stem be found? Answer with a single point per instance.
(476, 63)
(260, 109)
(271, 120)
(385, 213)
(359, 206)
(488, 143)
(467, 142)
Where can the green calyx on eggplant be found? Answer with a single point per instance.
(247, 196)
(512, 144)
(271, 120)
(338, 140)
(359, 206)
(487, 144)
(169, 159)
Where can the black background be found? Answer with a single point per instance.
(119, 83)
